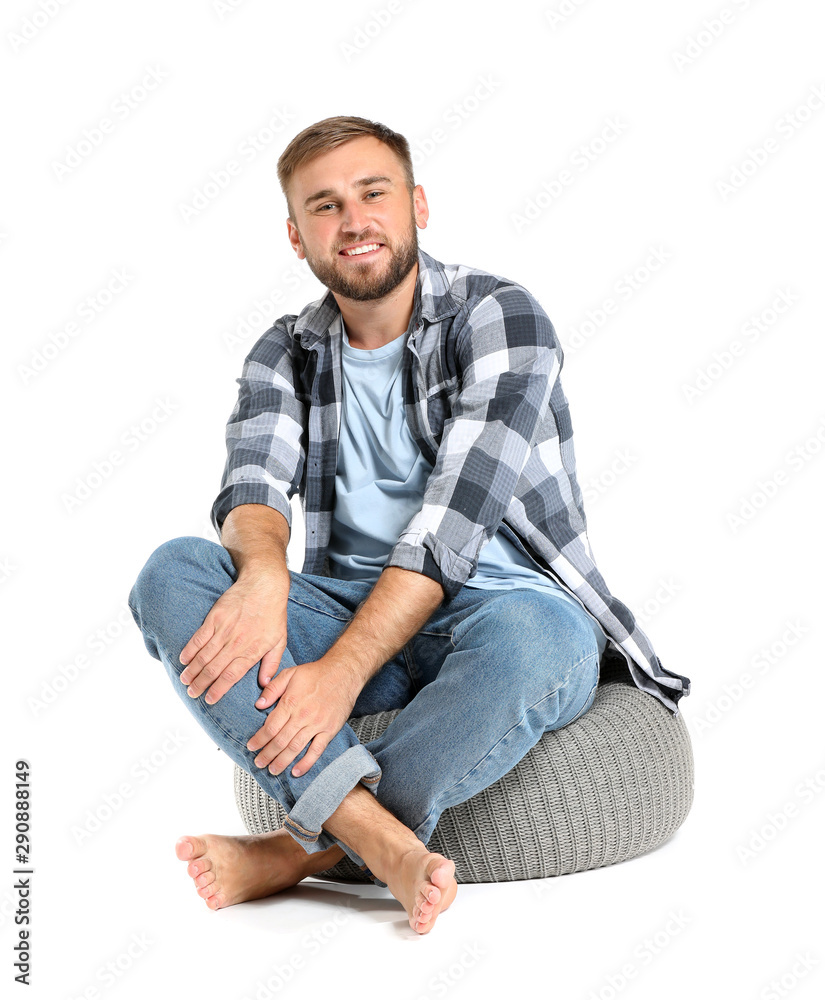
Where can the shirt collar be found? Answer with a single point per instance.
(432, 303)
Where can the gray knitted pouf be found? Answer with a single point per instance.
(614, 784)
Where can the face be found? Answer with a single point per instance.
(354, 221)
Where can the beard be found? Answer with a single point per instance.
(365, 283)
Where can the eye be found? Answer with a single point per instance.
(328, 204)
(374, 192)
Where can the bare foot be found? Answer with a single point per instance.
(424, 883)
(229, 870)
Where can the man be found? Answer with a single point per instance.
(417, 410)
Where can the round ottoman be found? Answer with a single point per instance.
(612, 785)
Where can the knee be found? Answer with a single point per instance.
(533, 622)
(187, 549)
(169, 563)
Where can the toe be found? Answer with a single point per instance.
(423, 924)
(189, 848)
(206, 879)
(198, 867)
(442, 872)
(423, 915)
(427, 897)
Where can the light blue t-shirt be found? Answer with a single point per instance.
(380, 480)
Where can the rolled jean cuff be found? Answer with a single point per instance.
(321, 798)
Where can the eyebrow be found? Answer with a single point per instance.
(363, 182)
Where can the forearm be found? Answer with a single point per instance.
(256, 536)
(399, 605)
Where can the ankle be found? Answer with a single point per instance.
(385, 853)
(378, 836)
(321, 861)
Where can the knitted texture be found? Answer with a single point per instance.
(606, 788)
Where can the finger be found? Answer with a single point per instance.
(230, 675)
(281, 761)
(209, 647)
(201, 660)
(274, 689)
(216, 658)
(278, 744)
(277, 718)
(197, 642)
(270, 662)
(316, 748)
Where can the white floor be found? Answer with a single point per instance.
(116, 913)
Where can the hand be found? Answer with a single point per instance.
(246, 624)
(314, 701)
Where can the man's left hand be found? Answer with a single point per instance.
(314, 702)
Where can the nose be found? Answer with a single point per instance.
(355, 217)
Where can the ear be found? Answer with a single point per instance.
(295, 239)
(421, 209)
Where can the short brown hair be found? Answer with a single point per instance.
(333, 132)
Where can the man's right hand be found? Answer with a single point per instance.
(246, 624)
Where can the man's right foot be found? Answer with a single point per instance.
(229, 870)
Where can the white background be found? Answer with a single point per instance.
(713, 174)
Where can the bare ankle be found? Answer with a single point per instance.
(321, 861)
(372, 831)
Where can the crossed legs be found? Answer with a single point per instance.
(228, 870)
(475, 696)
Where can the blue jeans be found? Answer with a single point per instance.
(478, 685)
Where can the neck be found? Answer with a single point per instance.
(373, 324)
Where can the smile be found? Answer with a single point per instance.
(360, 251)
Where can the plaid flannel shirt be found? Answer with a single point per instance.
(485, 405)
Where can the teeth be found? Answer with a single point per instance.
(363, 249)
